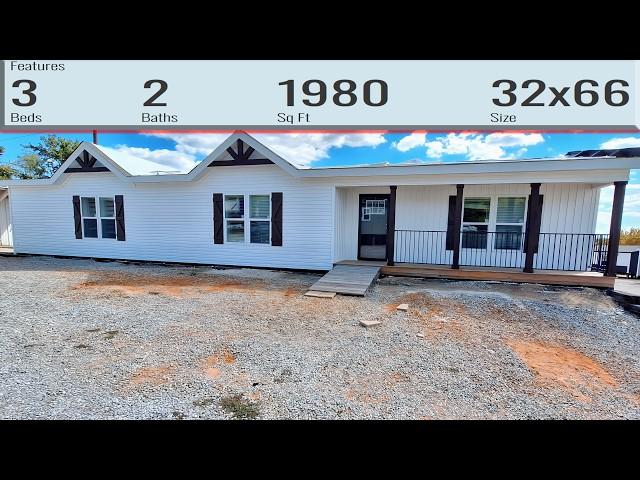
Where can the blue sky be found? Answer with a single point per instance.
(178, 152)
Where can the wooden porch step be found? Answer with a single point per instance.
(348, 279)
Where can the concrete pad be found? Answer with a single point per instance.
(370, 323)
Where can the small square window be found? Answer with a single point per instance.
(90, 227)
(474, 236)
(235, 231)
(259, 232)
(234, 206)
(259, 206)
(107, 208)
(476, 210)
(88, 207)
(108, 228)
(510, 210)
(508, 237)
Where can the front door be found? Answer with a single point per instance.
(372, 230)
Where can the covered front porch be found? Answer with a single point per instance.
(484, 232)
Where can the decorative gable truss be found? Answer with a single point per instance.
(242, 155)
(86, 163)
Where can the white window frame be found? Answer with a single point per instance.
(487, 223)
(98, 218)
(247, 219)
(522, 225)
(250, 219)
(493, 216)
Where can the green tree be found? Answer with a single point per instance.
(30, 166)
(51, 152)
(6, 171)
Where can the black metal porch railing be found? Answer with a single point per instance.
(556, 251)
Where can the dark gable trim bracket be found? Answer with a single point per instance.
(240, 157)
(81, 170)
(238, 163)
(87, 164)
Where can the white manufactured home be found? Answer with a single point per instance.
(244, 205)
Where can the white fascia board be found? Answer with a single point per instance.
(27, 183)
(595, 177)
(481, 167)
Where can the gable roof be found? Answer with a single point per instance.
(253, 143)
(621, 159)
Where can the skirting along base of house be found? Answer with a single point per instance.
(579, 279)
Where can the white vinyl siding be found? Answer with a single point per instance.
(174, 222)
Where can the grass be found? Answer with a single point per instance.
(239, 407)
(204, 402)
(110, 334)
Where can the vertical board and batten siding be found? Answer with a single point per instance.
(423, 209)
(346, 222)
(174, 221)
(568, 208)
(5, 221)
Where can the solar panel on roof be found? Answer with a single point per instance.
(618, 152)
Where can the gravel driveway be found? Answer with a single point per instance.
(85, 339)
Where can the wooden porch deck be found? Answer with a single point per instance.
(550, 277)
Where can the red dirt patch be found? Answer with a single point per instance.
(438, 316)
(563, 367)
(210, 365)
(172, 286)
(152, 375)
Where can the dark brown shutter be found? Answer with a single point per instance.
(529, 225)
(218, 218)
(451, 222)
(120, 231)
(77, 216)
(276, 219)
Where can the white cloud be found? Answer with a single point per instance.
(411, 141)
(624, 142)
(144, 161)
(299, 148)
(514, 139)
(478, 146)
(194, 144)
